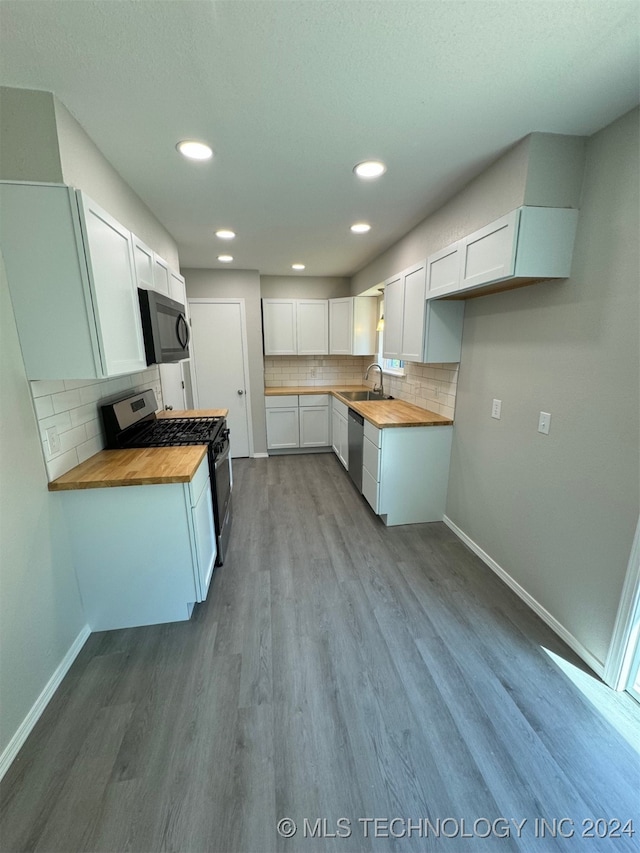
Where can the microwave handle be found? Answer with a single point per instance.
(182, 319)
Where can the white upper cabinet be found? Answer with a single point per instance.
(143, 260)
(413, 312)
(404, 304)
(177, 287)
(160, 275)
(70, 268)
(295, 326)
(312, 324)
(443, 271)
(279, 326)
(109, 251)
(490, 253)
(393, 315)
(528, 244)
(352, 325)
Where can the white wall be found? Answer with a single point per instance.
(303, 286)
(558, 513)
(243, 284)
(40, 609)
(29, 150)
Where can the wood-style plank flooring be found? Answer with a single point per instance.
(339, 671)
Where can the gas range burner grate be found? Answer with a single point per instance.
(179, 431)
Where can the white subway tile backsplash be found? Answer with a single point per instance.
(72, 406)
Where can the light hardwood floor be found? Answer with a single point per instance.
(338, 670)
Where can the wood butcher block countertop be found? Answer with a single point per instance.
(381, 413)
(135, 467)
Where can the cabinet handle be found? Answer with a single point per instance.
(240, 392)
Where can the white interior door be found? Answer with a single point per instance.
(219, 365)
(172, 386)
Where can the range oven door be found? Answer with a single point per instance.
(222, 481)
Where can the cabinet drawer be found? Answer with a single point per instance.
(313, 400)
(373, 434)
(200, 480)
(371, 459)
(371, 490)
(340, 407)
(281, 401)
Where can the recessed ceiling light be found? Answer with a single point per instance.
(360, 227)
(225, 259)
(370, 169)
(297, 266)
(194, 150)
(225, 234)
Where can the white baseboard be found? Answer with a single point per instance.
(591, 661)
(260, 455)
(25, 727)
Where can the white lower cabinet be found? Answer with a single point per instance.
(340, 431)
(297, 421)
(142, 554)
(405, 471)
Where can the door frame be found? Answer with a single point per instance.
(621, 649)
(238, 300)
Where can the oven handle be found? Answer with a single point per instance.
(223, 455)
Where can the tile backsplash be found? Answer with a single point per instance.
(291, 370)
(431, 386)
(73, 407)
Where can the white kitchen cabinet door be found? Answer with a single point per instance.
(279, 326)
(160, 275)
(177, 287)
(413, 312)
(489, 254)
(393, 316)
(109, 251)
(352, 325)
(335, 430)
(204, 537)
(283, 430)
(314, 426)
(143, 261)
(312, 324)
(341, 326)
(443, 271)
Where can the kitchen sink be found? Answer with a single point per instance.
(358, 396)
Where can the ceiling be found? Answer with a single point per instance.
(291, 95)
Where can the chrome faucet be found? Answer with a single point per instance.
(366, 376)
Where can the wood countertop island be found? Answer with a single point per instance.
(133, 467)
(383, 414)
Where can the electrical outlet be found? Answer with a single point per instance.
(313, 372)
(496, 409)
(53, 440)
(544, 423)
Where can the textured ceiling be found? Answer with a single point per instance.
(291, 95)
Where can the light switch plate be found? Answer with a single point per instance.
(496, 409)
(544, 423)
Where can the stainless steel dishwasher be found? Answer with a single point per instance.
(356, 440)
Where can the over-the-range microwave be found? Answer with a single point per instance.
(165, 328)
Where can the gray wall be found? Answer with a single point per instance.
(29, 150)
(240, 284)
(303, 286)
(558, 513)
(40, 610)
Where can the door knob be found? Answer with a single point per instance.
(240, 392)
